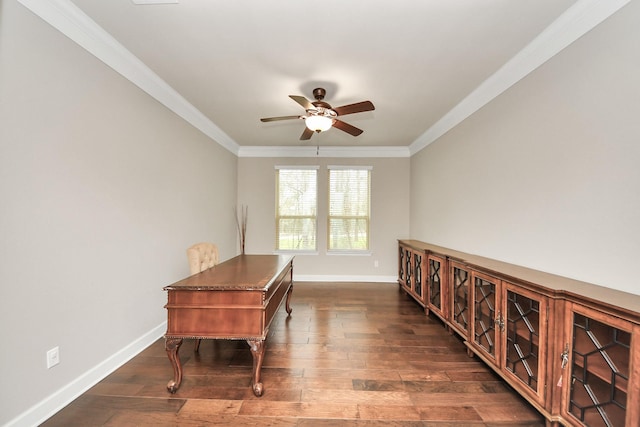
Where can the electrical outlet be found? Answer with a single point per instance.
(375, 263)
(53, 357)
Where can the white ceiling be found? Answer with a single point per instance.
(236, 61)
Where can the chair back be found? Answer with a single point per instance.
(202, 256)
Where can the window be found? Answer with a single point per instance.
(349, 200)
(296, 208)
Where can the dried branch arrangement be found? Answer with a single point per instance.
(241, 223)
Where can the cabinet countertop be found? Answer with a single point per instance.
(559, 285)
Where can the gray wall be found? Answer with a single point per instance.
(102, 190)
(389, 216)
(547, 175)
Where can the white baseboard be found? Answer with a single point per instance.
(338, 278)
(43, 410)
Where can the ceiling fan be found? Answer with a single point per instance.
(320, 116)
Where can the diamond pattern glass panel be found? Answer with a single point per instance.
(485, 313)
(523, 324)
(418, 274)
(401, 265)
(408, 269)
(460, 297)
(434, 283)
(599, 373)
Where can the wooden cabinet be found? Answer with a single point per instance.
(509, 331)
(411, 269)
(484, 306)
(525, 339)
(402, 266)
(601, 366)
(486, 317)
(418, 276)
(572, 349)
(458, 290)
(436, 280)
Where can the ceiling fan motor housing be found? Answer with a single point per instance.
(319, 93)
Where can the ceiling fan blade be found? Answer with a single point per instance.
(307, 134)
(358, 107)
(274, 119)
(346, 127)
(306, 104)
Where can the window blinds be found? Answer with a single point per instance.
(296, 209)
(349, 208)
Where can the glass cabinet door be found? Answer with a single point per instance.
(401, 278)
(600, 360)
(408, 269)
(417, 276)
(525, 338)
(485, 315)
(460, 279)
(435, 283)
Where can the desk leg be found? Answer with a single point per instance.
(172, 345)
(257, 351)
(287, 303)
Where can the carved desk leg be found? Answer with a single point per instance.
(288, 301)
(172, 345)
(257, 351)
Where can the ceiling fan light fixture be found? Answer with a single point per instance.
(318, 123)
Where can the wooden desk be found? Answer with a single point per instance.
(234, 300)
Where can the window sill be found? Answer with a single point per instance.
(294, 252)
(349, 253)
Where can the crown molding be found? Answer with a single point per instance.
(577, 20)
(322, 151)
(75, 24)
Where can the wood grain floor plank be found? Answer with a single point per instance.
(210, 407)
(350, 355)
(448, 413)
(351, 373)
(423, 375)
(338, 410)
(453, 400)
(388, 412)
(506, 412)
(357, 396)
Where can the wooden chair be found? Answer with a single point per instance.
(201, 256)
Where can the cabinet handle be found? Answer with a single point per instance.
(565, 360)
(499, 321)
(565, 356)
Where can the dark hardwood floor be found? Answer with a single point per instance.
(351, 354)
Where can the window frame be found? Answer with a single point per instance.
(338, 251)
(278, 217)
